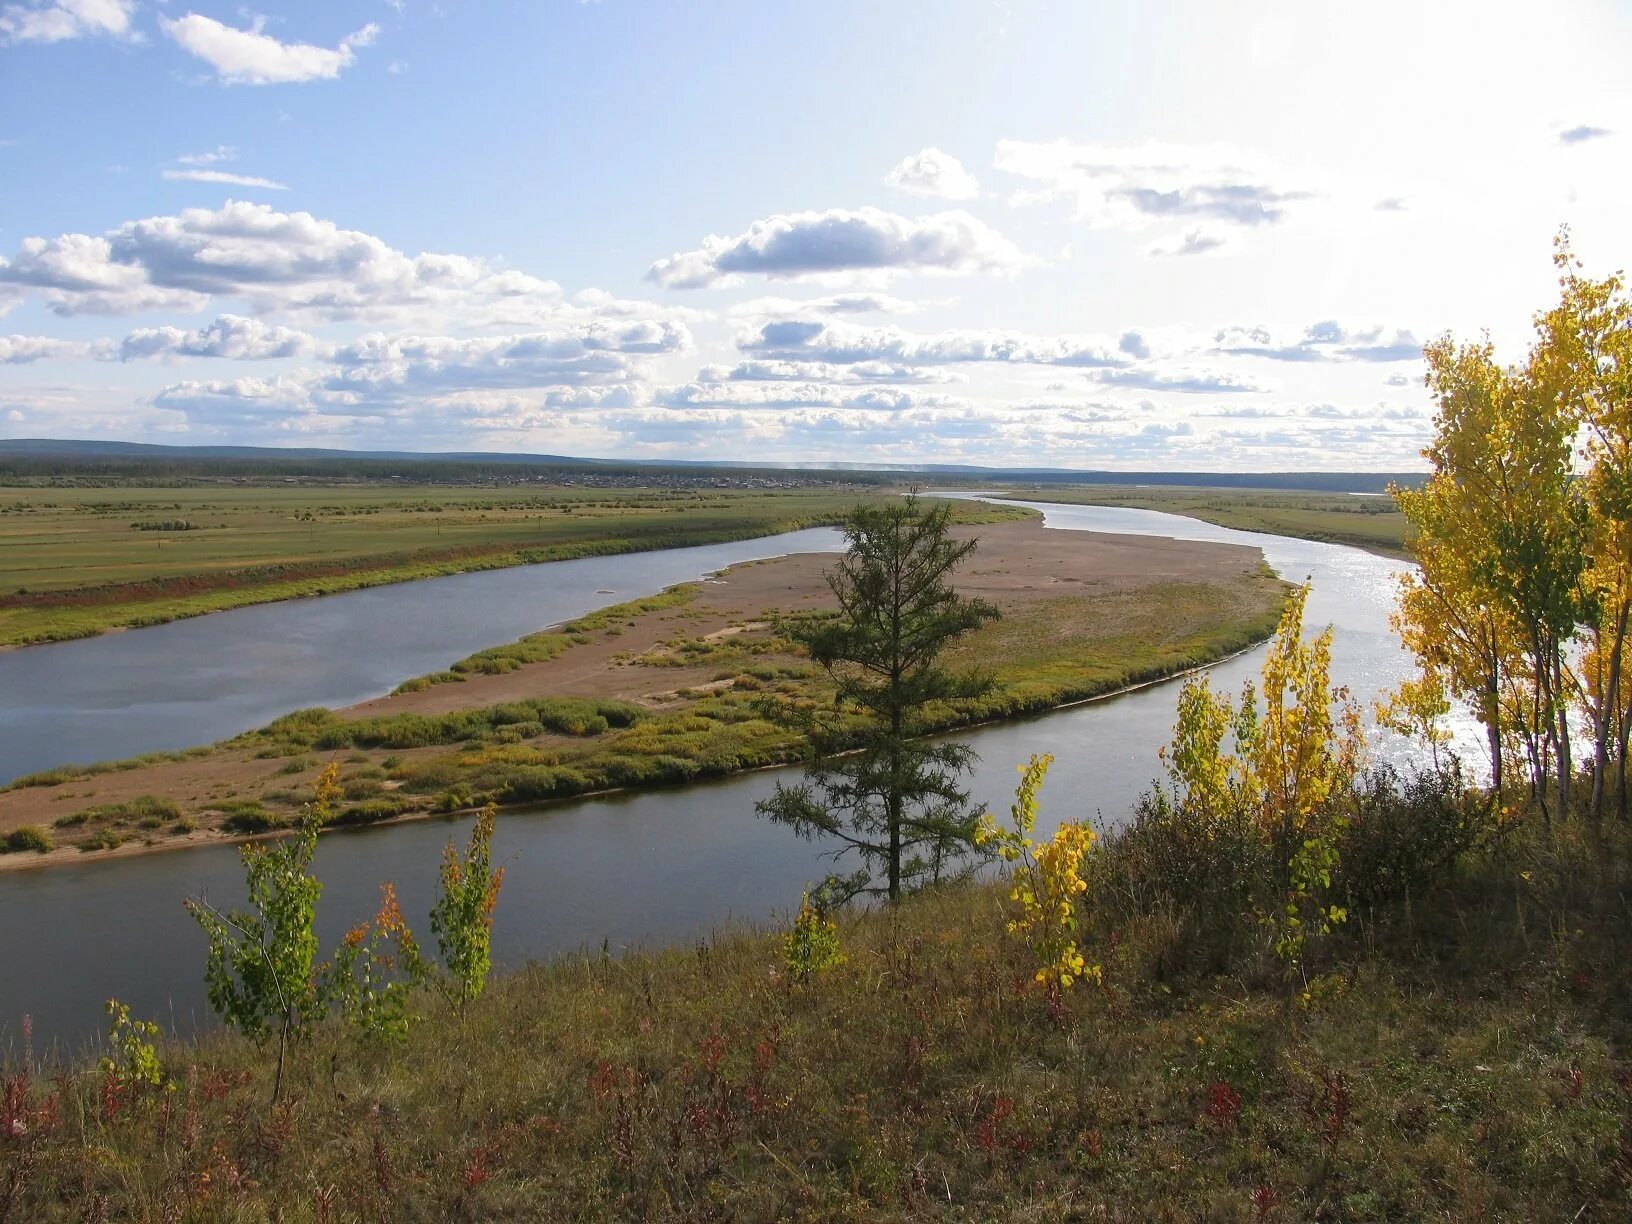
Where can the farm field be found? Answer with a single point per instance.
(1372, 523)
(77, 561)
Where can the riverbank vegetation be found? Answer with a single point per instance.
(79, 561)
(1369, 521)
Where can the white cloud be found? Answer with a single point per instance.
(1184, 379)
(597, 352)
(230, 336)
(1132, 186)
(842, 343)
(819, 371)
(250, 57)
(222, 176)
(22, 350)
(834, 304)
(59, 20)
(795, 395)
(1191, 242)
(931, 172)
(221, 153)
(841, 240)
(1327, 340)
(251, 252)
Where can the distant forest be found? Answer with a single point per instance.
(43, 461)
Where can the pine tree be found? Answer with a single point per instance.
(891, 798)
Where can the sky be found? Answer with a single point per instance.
(1145, 235)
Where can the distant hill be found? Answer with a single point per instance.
(68, 457)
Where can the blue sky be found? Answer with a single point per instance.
(1075, 234)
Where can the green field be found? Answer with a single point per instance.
(1372, 523)
(78, 561)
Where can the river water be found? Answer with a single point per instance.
(623, 871)
(203, 679)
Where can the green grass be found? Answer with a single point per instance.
(1465, 1056)
(132, 811)
(71, 566)
(1041, 656)
(1372, 523)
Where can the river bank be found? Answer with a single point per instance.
(661, 690)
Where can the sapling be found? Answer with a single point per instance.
(259, 968)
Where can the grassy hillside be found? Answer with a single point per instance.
(1461, 1054)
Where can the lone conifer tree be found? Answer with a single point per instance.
(895, 801)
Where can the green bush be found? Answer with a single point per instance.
(371, 810)
(248, 816)
(28, 837)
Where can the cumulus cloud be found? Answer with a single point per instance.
(378, 364)
(931, 172)
(22, 350)
(223, 176)
(231, 336)
(843, 344)
(59, 20)
(1136, 186)
(272, 260)
(1582, 133)
(251, 57)
(275, 397)
(841, 240)
(1328, 340)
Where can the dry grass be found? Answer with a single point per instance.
(1465, 1058)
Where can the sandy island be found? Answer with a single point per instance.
(1019, 566)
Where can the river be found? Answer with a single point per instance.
(635, 870)
(206, 678)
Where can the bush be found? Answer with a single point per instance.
(28, 837)
(248, 816)
(372, 810)
(1205, 881)
(1406, 836)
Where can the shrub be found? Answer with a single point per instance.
(1047, 881)
(28, 837)
(248, 816)
(369, 811)
(812, 946)
(1407, 835)
(361, 788)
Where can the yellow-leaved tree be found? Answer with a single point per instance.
(1275, 766)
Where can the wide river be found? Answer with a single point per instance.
(634, 870)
